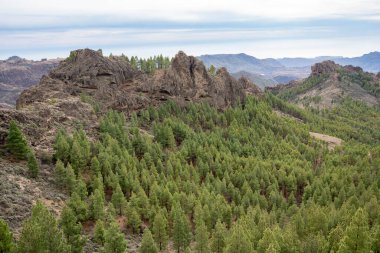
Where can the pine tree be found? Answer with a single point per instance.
(99, 232)
(16, 142)
(97, 205)
(201, 238)
(5, 237)
(71, 179)
(72, 230)
(40, 233)
(356, 237)
(114, 240)
(62, 147)
(95, 165)
(78, 206)
(33, 166)
(134, 220)
(118, 199)
(212, 70)
(218, 241)
(147, 243)
(181, 229)
(160, 230)
(60, 174)
(239, 241)
(76, 156)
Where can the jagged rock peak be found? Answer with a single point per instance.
(326, 67)
(89, 69)
(250, 87)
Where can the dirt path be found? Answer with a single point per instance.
(331, 141)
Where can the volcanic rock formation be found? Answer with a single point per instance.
(67, 95)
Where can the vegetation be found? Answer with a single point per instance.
(365, 80)
(16, 142)
(292, 92)
(33, 166)
(5, 237)
(148, 65)
(241, 180)
(40, 233)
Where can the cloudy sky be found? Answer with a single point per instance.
(263, 28)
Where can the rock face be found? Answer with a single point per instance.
(17, 74)
(114, 84)
(67, 95)
(326, 67)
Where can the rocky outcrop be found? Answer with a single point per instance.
(67, 95)
(326, 67)
(113, 83)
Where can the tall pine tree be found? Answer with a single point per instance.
(16, 142)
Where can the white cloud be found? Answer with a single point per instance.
(43, 28)
(46, 11)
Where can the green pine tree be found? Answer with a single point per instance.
(99, 232)
(148, 245)
(60, 174)
(40, 233)
(218, 241)
(79, 206)
(356, 238)
(5, 237)
(212, 70)
(33, 166)
(239, 241)
(134, 219)
(72, 230)
(114, 240)
(201, 238)
(62, 147)
(160, 230)
(181, 229)
(16, 142)
(97, 205)
(118, 199)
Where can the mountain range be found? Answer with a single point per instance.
(270, 71)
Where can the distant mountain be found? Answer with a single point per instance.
(264, 71)
(330, 83)
(260, 80)
(368, 62)
(17, 74)
(300, 62)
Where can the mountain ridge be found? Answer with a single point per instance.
(283, 70)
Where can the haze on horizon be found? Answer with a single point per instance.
(272, 28)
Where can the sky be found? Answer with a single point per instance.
(267, 28)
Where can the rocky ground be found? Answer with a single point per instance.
(18, 193)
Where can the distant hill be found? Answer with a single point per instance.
(283, 70)
(330, 83)
(17, 74)
(260, 80)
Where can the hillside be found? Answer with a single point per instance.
(17, 74)
(329, 83)
(180, 160)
